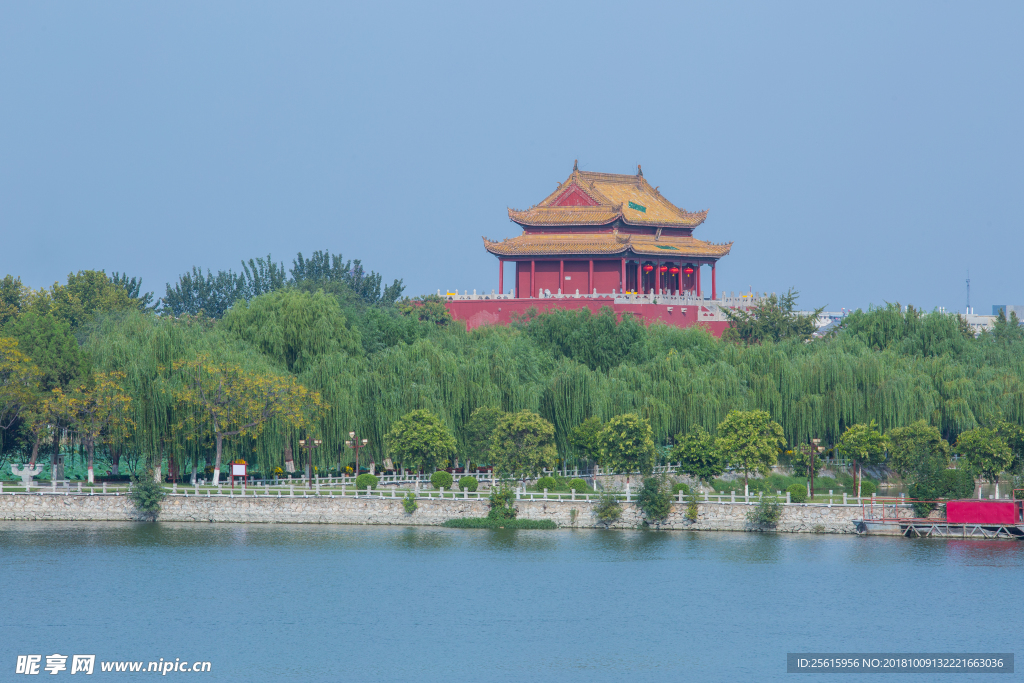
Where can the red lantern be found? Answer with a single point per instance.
(673, 270)
(648, 268)
(663, 268)
(688, 271)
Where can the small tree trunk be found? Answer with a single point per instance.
(56, 471)
(216, 465)
(115, 460)
(35, 453)
(90, 446)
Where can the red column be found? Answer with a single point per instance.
(657, 277)
(561, 275)
(622, 277)
(639, 278)
(713, 281)
(590, 278)
(533, 273)
(501, 276)
(700, 293)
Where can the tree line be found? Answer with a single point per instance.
(325, 350)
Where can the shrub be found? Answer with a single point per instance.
(692, 511)
(441, 478)
(409, 502)
(501, 502)
(364, 481)
(549, 483)
(579, 485)
(680, 486)
(468, 483)
(146, 494)
(608, 510)
(867, 487)
(766, 513)
(654, 500)
(797, 493)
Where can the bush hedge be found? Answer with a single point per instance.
(470, 483)
(549, 483)
(579, 485)
(797, 493)
(441, 478)
(489, 523)
(680, 486)
(364, 481)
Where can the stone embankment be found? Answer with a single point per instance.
(711, 516)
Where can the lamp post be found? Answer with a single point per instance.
(308, 445)
(355, 444)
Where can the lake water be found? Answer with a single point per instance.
(361, 603)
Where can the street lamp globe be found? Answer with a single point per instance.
(351, 435)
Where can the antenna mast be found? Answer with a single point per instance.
(968, 291)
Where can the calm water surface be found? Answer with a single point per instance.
(333, 603)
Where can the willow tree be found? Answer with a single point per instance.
(229, 400)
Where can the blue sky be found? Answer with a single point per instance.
(860, 152)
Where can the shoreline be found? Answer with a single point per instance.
(379, 510)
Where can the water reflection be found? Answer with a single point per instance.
(336, 602)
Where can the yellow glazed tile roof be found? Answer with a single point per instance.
(629, 197)
(668, 248)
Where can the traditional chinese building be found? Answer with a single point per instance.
(603, 239)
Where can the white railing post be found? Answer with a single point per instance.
(788, 501)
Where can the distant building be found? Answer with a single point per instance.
(1006, 309)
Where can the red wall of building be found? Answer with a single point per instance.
(501, 311)
(576, 275)
(547, 277)
(607, 276)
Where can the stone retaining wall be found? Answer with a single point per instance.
(837, 519)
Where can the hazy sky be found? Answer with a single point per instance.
(860, 152)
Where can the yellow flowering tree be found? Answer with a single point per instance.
(19, 382)
(230, 400)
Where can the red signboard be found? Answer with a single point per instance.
(982, 512)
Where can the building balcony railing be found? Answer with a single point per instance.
(677, 298)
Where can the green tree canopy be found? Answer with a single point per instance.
(750, 440)
(771, 320)
(986, 452)
(228, 400)
(421, 441)
(698, 455)
(49, 343)
(864, 445)
(87, 293)
(479, 429)
(627, 445)
(586, 438)
(523, 444)
(19, 382)
(293, 327)
(910, 445)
